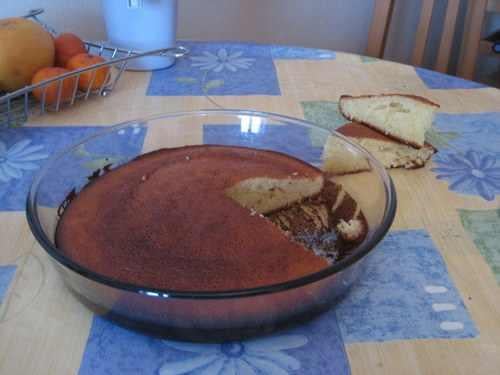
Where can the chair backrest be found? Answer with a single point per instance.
(469, 50)
(380, 26)
(377, 37)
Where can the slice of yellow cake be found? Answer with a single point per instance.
(405, 118)
(265, 194)
(391, 153)
(338, 159)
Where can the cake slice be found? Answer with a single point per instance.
(338, 159)
(265, 194)
(391, 153)
(405, 118)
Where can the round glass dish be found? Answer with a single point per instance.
(218, 315)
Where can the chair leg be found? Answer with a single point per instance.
(472, 35)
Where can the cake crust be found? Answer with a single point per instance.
(416, 97)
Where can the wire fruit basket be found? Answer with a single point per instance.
(17, 106)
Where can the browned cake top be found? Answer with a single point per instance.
(415, 97)
(164, 221)
(357, 130)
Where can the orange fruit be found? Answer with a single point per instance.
(68, 85)
(84, 60)
(67, 45)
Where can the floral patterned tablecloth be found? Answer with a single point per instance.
(429, 298)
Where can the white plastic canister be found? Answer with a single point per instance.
(142, 25)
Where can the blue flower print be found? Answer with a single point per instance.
(18, 158)
(259, 356)
(473, 173)
(222, 60)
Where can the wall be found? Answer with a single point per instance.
(82, 17)
(337, 24)
(281, 21)
(320, 23)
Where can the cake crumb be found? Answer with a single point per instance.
(144, 178)
(253, 212)
(295, 173)
(188, 158)
(351, 230)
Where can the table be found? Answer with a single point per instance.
(429, 301)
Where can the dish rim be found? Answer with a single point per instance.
(358, 253)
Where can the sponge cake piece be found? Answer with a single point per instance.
(339, 159)
(391, 153)
(265, 194)
(405, 118)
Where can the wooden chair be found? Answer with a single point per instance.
(377, 37)
(472, 45)
(380, 26)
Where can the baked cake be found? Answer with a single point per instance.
(208, 218)
(391, 153)
(405, 118)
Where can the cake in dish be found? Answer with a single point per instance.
(391, 153)
(405, 118)
(210, 218)
(329, 223)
